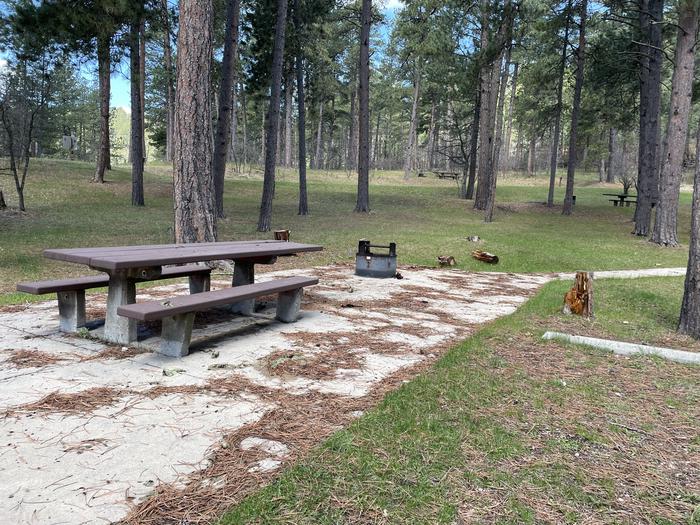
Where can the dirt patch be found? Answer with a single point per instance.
(31, 359)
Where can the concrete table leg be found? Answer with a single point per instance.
(176, 334)
(71, 310)
(118, 329)
(288, 305)
(243, 273)
(200, 283)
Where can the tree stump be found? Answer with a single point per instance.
(281, 235)
(579, 300)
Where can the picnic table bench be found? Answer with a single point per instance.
(127, 265)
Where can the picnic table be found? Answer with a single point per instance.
(440, 174)
(125, 265)
(621, 199)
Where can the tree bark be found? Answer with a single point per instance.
(488, 108)
(665, 226)
(301, 119)
(223, 121)
(273, 118)
(498, 137)
(233, 143)
(169, 77)
(104, 70)
(474, 146)
(137, 141)
(142, 86)
(613, 157)
(575, 110)
(288, 99)
(195, 213)
(362, 205)
(509, 126)
(410, 158)
(531, 158)
(689, 322)
(651, 64)
(557, 118)
(318, 156)
(351, 162)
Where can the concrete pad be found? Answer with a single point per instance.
(92, 465)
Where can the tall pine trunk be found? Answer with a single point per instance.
(410, 158)
(318, 156)
(473, 147)
(351, 162)
(689, 322)
(104, 45)
(557, 119)
(195, 213)
(273, 119)
(288, 99)
(650, 18)
(509, 127)
(223, 121)
(169, 79)
(575, 110)
(137, 141)
(301, 117)
(362, 204)
(665, 226)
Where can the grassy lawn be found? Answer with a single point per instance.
(424, 216)
(508, 428)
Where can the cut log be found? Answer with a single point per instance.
(579, 300)
(446, 260)
(485, 257)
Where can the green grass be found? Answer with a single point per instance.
(424, 216)
(509, 423)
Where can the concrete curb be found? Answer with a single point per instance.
(621, 348)
(630, 274)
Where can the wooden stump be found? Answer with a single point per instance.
(579, 300)
(281, 235)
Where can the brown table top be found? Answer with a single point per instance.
(124, 257)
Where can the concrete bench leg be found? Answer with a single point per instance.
(118, 329)
(71, 310)
(243, 273)
(200, 283)
(288, 305)
(176, 334)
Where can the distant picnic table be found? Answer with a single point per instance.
(621, 199)
(127, 265)
(446, 174)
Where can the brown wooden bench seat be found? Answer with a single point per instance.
(71, 292)
(177, 313)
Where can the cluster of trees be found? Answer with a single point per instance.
(481, 87)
